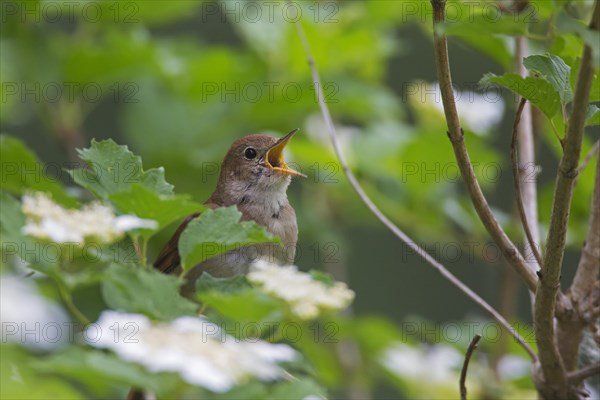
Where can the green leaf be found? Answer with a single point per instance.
(322, 277)
(11, 217)
(567, 24)
(234, 298)
(233, 284)
(595, 89)
(22, 380)
(568, 46)
(592, 116)
(322, 356)
(23, 171)
(298, 389)
(147, 204)
(553, 69)
(113, 168)
(246, 305)
(216, 232)
(145, 291)
(99, 370)
(538, 91)
(122, 252)
(492, 46)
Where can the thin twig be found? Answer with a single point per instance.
(456, 135)
(68, 300)
(517, 183)
(526, 155)
(463, 372)
(552, 362)
(582, 374)
(588, 157)
(384, 220)
(589, 262)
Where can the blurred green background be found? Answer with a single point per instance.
(179, 81)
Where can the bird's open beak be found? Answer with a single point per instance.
(274, 156)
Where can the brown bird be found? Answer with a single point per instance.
(254, 177)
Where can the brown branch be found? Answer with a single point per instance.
(582, 291)
(526, 149)
(576, 377)
(589, 263)
(552, 364)
(456, 135)
(463, 372)
(382, 218)
(517, 183)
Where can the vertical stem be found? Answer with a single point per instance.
(139, 244)
(465, 367)
(518, 175)
(68, 300)
(554, 382)
(527, 163)
(570, 326)
(589, 263)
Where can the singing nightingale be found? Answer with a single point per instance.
(254, 177)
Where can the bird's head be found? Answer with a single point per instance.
(255, 162)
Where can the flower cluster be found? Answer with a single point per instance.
(306, 296)
(198, 350)
(48, 220)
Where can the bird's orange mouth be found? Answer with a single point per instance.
(274, 157)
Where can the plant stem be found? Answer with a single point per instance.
(68, 300)
(517, 176)
(589, 263)
(570, 325)
(526, 150)
(456, 135)
(140, 250)
(576, 377)
(465, 367)
(552, 364)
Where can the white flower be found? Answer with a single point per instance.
(306, 296)
(124, 223)
(436, 364)
(30, 319)
(48, 220)
(198, 350)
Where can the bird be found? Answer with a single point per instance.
(253, 177)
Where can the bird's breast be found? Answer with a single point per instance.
(280, 221)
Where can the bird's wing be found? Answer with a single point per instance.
(168, 259)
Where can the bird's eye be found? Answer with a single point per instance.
(250, 153)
